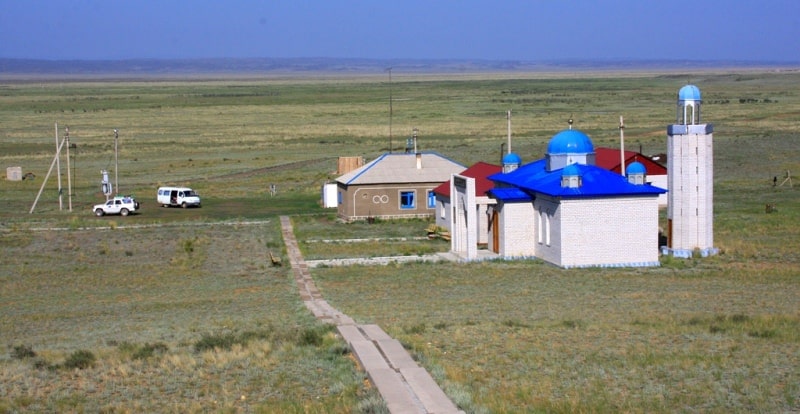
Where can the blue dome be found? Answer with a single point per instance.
(571, 170)
(511, 158)
(570, 141)
(689, 93)
(635, 168)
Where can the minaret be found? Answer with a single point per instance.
(690, 169)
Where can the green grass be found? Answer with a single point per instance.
(711, 335)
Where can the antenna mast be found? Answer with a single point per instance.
(390, 109)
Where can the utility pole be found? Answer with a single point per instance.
(621, 146)
(390, 109)
(58, 172)
(116, 162)
(69, 175)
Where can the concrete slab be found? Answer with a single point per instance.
(375, 332)
(428, 391)
(350, 333)
(398, 398)
(369, 356)
(396, 354)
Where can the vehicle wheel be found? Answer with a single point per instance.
(183, 205)
(99, 212)
(124, 212)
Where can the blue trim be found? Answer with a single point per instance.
(595, 182)
(413, 200)
(677, 129)
(367, 168)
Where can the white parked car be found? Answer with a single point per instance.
(178, 196)
(122, 205)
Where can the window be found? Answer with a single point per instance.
(407, 201)
(547, 229)
(539, 227)
(340, 197)
(431, 199)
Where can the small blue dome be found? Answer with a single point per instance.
(635, 168)
(570, 141)
(511, 158)
(689, 93)
(571, 170)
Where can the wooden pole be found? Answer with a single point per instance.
(52, 164)
(69, 175)
(58, 169)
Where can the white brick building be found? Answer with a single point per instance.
(690, 165)
(565, 210)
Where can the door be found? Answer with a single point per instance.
(495, 232)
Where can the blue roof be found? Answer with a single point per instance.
(635, 167)
(595, 182)
(511, 158)
(570, 141)
(509, 194)
(689, 93)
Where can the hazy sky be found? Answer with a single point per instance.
(530, 30)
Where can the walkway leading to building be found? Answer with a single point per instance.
(405, 386)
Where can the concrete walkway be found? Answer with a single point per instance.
(404, 385)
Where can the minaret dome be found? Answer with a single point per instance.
(689, 100)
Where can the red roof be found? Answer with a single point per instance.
(608, 158)
(479, 171)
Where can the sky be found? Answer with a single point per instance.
(518, 30)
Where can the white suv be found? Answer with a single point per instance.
(123, 205)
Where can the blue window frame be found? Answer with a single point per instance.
(340, 197)
(407, 200)
(431, 199)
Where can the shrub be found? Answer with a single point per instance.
(216, 341)
(22, 352)
(150, 350)
(80, 359)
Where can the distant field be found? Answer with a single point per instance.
(151, 303)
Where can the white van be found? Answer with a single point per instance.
(178, 196)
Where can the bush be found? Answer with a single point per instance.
(81, 359)
(210, 342)
(148, 350)
(22, 352)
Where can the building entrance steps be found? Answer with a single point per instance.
(405, 386)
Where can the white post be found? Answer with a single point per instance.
(508, 116)
(69, 176)
(58, 171)
(52, 164)
(621, 146)
(116, 162)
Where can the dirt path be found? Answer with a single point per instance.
(404, 385)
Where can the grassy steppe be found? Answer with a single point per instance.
(181, 313)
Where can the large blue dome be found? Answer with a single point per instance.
(689, 93)
(570, 141)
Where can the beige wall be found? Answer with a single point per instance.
(383, 201)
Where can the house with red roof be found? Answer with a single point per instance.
(444, 209)
(610, 159)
